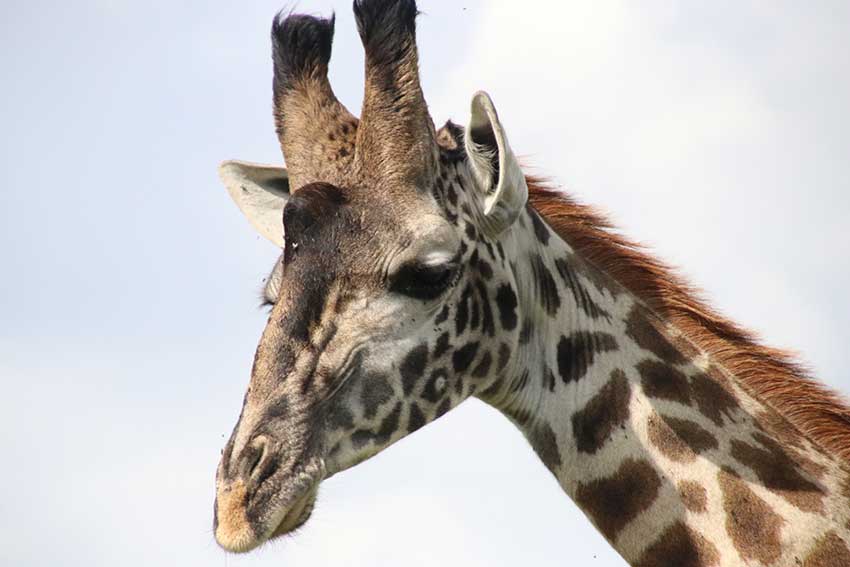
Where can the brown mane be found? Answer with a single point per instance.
(770, 374)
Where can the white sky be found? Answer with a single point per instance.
(717, 132)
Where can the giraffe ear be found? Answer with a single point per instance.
(260, 192)
(494, 166)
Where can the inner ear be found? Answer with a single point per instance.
(487, 148)
(496, 170)
(278, 185)
(261, 192)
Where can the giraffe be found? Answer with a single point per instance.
(421, 267)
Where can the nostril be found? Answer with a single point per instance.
(256, 454)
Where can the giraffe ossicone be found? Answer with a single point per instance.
(421, 267)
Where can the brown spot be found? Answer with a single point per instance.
(663, 381)
(647, 337)
(693, 496)
(680, 546)
(753, 526)
(779, 428)
(601, 281)
(771, 375)
(685, 346)
(577, 352)
(778, 473)
(829, 551)
(543, 440)
(713, 400)
(615, 501)
(679, 439)
(606, 411)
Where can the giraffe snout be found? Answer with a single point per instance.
(264, 489)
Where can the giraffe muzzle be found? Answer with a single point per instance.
(260, 495)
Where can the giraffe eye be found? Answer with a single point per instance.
(423, 282)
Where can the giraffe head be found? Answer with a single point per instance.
(393, 299)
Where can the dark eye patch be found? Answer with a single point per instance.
(424, 282)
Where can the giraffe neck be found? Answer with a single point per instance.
(667, 455)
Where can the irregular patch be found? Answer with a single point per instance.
(541, 231)
(442, 346)
(829, 551)
(463, 357)
(415, 419)
(606, 411)
(340, 417)
(579, 292)
(662, 381)
(485, 269)
(475, 317)
(665, 440)
(780, 428)
(501, 250)
(443, 408)
(753, 526)
(779, 473)
(713, 400)
(693, 434)
(545, 444)
(547, 290)
(442, 316)
(389, 425)
(376, 392)
(679, 440)
(615, 501)
(504, 356)
(520, 382)
(436, 386)
(277, 410)
(548, 379)
(694, 496)
(600, 280)
(483, 366)
(526, 332)
(506, 301)
(647, 337)
(576, 353)
(680, 546)
(412, 367)
(488, 327)
(462, 313)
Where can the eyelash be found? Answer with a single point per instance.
(424, 282)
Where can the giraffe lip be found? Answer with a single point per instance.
(297, 514)
(292, 513)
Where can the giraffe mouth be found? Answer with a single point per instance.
(245, 519)
(297, 515)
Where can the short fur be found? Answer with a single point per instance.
(768, 373)
(394, 107)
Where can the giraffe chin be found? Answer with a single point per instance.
(297, 515)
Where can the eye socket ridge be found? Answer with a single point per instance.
(424, 281)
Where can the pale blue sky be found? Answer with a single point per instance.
(718, 133)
